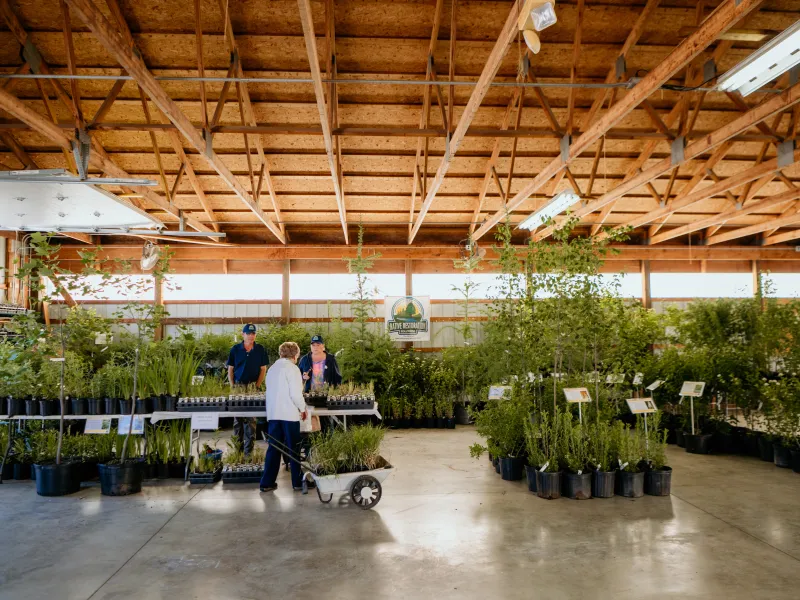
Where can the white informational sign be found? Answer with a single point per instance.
(655, 385)
(577, 395)
(499, 392)
(100, 339)
(97, 425)
(125, 422)
(638, 379)
(56, 360)
(640, 406)
(693, 389)
(616, 378)
(197, 379)
(593, 377)
(408, 318)
(208, 420)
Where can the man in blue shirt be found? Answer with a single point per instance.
(247, 364)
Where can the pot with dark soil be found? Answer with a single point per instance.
(658, 482)
(78, 406)
(121, 479)
(158, 403)
(47, 408)
(530, 474)
(630, 485)
(698, 443)
(143, 406)
(680, 438)
(603, 484)
(795, 456)
(511, 468)
(111, 406)
(548, 485)
(14, 406)
(782, 455)
(31, 407)
(577, 486)
(57, 480)
(170, 403)
(766, 449)
(450, 423)
(124, 406)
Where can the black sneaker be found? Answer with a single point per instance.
(269, 488)
(298, 489)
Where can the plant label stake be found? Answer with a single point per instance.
(577, 396)
(643, 407)
(692, 390)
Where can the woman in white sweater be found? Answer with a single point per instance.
(285, 409)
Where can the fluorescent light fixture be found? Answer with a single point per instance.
(765, 64)
(561, 202)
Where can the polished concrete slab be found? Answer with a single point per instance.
(446, 527)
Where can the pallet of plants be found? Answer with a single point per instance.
(209, 466)
(209, 395)
(318, 398)
(349, 461)
(168, 446)
(238, 468)
(352, 396)
(247, 399)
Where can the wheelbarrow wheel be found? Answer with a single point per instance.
(321, 499)
(366, 491)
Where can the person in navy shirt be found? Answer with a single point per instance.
(247, 364)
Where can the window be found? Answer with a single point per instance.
(781, 285)
(439, 286)
(122, 288)
(223, 287)
(340, 286)
(701, 285)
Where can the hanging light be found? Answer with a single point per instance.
(536, 15)
(561, 202)
(765, 64)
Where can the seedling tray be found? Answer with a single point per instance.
(205, 478)
(247, 405)
(201, 407)
(350, 404)
(242, 476)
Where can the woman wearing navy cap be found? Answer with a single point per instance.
(319, 367)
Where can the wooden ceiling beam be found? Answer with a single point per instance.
(728, 13)
(307, 20)
(70, 52)
(573, 69)
(490, 69)
(201, 71)
(781, 237)
(18, 150)
(107, 103)
(115, 44)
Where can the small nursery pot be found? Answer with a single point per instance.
(170, 403)
(430, 422)
(162, 470)
(450, 423)
(658, 483)
(766, 449)
(795, 455)
(577, 487)
(603, 484)
(158, 403)
(111, 406)
(31, 407)
(121, 479)
(78, 406)
(548, 485)
(783, 458)
(67, 406)
(46, 407)
(511, 468)
(95, 406)
(56, 480)
(496, 464)
(124, 406)
(22, 471)
(440, 422)
(699, 443)
(143, 406)
(14, 406)
(530, 474)
(680, 438)
(630, 485)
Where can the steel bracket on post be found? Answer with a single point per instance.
(81, 147)
(676, 150)
(709, 70)
(30, 54)
(785, 154)
(208, 138)
(565, 143)
(620, 67)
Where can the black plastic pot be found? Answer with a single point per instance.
(177, 470)
(496, 464)
(14, 406)
(723, 443)
(31, 407)
(162, 470)
(658, 483)
(630, 485)
(143, 406)
(170, 403)
(79, 406)
(511, 468)
(56, 480)
(548, 485)
(111, 406)
(67, 406)
(680, 440)
(795, 454)
(766, 450)
(8, 471)
(124, 406)
(440, 422)
(47, 407)
(783, 458)
(603, 484)
(430, 422)
(577, 487)
(95, 406)
(22, 471)
(121, 479)
(530, 474)
(699, 443)
(157, 403)
(450, 423)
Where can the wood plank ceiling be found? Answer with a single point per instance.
(382, 144)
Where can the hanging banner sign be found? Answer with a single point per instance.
(641, 406)
(693, 388)
(577, 395)
(97, 426)
(408, 318)
(125, 422)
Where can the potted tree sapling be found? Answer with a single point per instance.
(601, 458)
(548, 479)
(536, 457)
(502, 423)
(577, 478)
(658, 477)
(629, 445)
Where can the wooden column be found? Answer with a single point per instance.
(158, 300)
(285, 297)
(4, 244)
(647, 301)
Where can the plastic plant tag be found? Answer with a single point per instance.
(622, 466)
(100, 339)
(580, 471)
(544, 466)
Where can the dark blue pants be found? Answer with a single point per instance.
(288, 434)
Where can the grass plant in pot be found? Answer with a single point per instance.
(502, 423)
(601, 457)
(629, 446)
(577, 478)
(548, 478)
(22, 459)
(658, 477)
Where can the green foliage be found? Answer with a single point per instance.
(502, 423)
(656, 449)
(628, 446)
(345, 451)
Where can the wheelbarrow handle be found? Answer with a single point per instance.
(283, 449)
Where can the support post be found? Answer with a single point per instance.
(409, 292)
(755, 267)
(647, 301)
(158, 300)
(285, 297)
(3, 273)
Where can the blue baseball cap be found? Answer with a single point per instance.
(249, 328)
(317, 339)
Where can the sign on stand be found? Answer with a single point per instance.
(692, 390)
(615, 378)
(638, 379)
(499, 392)
(579, 396)
(641, 406)
(97, 426)
(408, 318)
(125, 423)
(654, 386)
(208, 420)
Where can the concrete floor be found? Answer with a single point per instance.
(447, 527)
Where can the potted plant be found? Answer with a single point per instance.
(536, 456)
(577, 478)
(601, 458)
(502, 423)
(629, 447)
(658, 477)
(548, 479)
(22, 459)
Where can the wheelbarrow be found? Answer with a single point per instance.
(364, 487)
